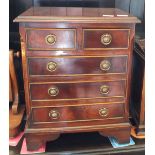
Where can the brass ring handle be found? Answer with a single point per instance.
(104, 89)
(50, 39)
(51, 66)
(53, 91)
(106, 39)
(105, 65)
(103, 112)
(54, 114)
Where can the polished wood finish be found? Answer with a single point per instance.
(10, 90)
(121, 138)
(15, 121)
(14, 95)
(36, 140)
(18, 6)
(118, 65)
(74, 14)
(78, 113)
(37, 39)
(119, 39)
(77, 90)
(39, 92)
(16, 111)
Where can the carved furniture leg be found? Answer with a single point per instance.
(35, 140)
(121, 134)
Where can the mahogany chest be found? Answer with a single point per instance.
(77, 71)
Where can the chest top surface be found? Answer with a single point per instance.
(74, 14)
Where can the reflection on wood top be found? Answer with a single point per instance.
(74, 14)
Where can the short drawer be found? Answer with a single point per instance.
(77, 65)
(51, 39)
(77, 113)
(73, 91)
(102, 39)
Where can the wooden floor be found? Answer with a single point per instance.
(86, 144)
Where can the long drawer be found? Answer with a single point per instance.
(51, 91)
(77, 113)
(77, 65)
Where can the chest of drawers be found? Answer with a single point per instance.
(77, 70)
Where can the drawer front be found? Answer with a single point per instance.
(77, 113)
(73, 91)
(51, 39)
(82, 65)
(102, 39)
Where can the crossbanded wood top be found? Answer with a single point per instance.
(76, 14)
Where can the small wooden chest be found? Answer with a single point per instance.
(77, 71)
